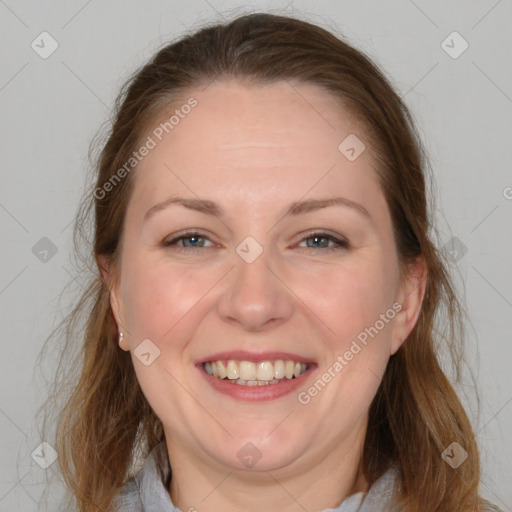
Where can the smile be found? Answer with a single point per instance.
(248, 373)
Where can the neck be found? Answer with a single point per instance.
(316, 483)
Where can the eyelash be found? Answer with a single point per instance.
(340, 244)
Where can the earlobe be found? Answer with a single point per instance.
(106, 273)
(119, 321)
(411, 295)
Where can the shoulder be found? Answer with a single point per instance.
(148, 484)
(390, 484)
(128, 498)
(490, 507)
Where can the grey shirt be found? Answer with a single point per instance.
(148, 491)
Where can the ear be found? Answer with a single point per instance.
(410, 297)
(103, 263)
(107, 273)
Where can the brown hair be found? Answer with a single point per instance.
(107, 423)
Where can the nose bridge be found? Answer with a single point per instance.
(255, 296)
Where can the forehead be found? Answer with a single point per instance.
(280, 117)
(256, 143)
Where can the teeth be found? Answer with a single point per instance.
(232, 370)
(247, 370)
(288, 369)
(265, 371)
(279, 369)
(241, 382)
(222, 370)
(248, 373)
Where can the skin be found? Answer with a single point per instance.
(256, 149)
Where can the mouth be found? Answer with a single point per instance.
(249, 373)
(251, 377)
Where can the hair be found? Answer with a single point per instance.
(107, 421)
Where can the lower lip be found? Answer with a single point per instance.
(255, 393)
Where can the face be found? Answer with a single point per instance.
(254, 269)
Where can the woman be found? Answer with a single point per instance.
(262, 318)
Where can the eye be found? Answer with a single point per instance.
(192, 240)
(322, 240)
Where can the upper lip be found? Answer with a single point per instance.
(256, 357)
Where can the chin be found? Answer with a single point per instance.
(258, 452)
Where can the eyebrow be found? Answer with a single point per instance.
(296, 208)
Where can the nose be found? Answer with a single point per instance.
(256, 296)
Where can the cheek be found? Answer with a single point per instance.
(158, 297)
(349, 297)
(357, 350)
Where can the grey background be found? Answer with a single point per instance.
(51, 108)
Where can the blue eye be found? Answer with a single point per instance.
(194, 241)
(190, 242)
(320, 237)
